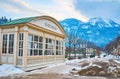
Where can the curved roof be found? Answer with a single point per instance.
(29, 19)
(18, 21)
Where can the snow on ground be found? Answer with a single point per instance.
(60, 68)
(65, 68)
(6, 70)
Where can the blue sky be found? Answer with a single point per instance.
(61, 9)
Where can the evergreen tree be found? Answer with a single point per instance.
(3, 19)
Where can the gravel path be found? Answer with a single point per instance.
(51, 76)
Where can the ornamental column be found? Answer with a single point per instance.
(15, 44)
(25, 46)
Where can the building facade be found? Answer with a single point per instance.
(32, 42)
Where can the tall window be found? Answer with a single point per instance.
(35, 45)
(21, 36)
(59, 47)
(8, 43)
(49, 46)
(4, 46)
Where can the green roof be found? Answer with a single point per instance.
(18, 21)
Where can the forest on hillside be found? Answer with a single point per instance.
(3, 19)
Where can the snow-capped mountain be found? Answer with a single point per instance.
(97, 30)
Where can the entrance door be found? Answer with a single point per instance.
(7, 56)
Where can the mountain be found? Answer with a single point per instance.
(97, 30)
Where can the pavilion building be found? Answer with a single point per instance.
(32, 42)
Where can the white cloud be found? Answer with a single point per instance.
(8, 7)
(65, 9)
(20, 7)
(102, 0)
(26, 6)
(59, 9)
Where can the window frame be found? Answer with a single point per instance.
(8, 43)
(49, 46)
(59, 47)
(35, 45)
(20, 48)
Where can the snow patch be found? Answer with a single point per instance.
(89, 32)
(6, 70)
(65, 24)
(84, 27)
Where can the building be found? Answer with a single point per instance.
(32, 42)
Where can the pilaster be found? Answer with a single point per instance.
(25, 46)
(15, 45)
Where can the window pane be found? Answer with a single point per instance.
(40, 39)
(56, 52)
(10, 50)
(46, 46)
(53, 42)
(32, 44)
(28, 52)
(8, 43)
(35, 52)
(31, 52)
(50, 41)
(40, 46)
(47, 52)
(46, 40)
(29, 45)
(36, 38)
(30, 38)
(21, 52)
(4, 45)
(5, 50)
(20, 44)
(35, 45)
(56, 47)
(5, 37)
(56, 42)
(49, 46)
(11, 43)
(11, 36)
(52, 52)
(40, 52)
(59, 47)
(21, 36)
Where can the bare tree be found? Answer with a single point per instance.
(70, 40)
(79, 45)
(74, 44)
